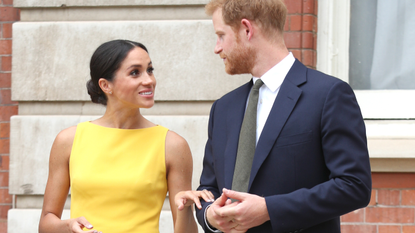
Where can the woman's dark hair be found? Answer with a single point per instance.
(105, 61)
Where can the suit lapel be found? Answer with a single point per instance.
(235, 115)
(284, 104)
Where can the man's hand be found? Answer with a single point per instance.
(222, 223)
(248, 212)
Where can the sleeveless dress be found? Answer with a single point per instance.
(118, 177)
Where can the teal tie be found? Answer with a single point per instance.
(247, 142)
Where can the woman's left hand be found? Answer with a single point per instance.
(187, 198)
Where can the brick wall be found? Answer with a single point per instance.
(391, 209)
(8, 15)
(301, 30)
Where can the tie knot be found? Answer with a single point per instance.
(258, 84)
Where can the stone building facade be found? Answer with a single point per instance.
(44, 68)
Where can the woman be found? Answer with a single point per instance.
(119, 167)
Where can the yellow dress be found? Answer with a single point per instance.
(118, 177)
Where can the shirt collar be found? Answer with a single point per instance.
(274, 77)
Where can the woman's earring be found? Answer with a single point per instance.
(110, 92)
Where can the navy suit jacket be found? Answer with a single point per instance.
(311, 162)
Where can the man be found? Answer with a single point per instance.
(310, 164)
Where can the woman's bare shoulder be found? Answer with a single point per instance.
(66, 136)
(175, 142)
(62, 145)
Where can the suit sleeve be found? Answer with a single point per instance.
(208, 177)
(344, 146)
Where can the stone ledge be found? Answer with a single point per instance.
(92, 3)
(391, 145)
(26, 220)
(392, 148)
(102, 13)
(395, 165)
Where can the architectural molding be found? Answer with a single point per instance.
(333, 38)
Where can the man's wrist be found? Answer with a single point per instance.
(210, 227)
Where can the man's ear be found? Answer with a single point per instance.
(105, 86)
(247, 28)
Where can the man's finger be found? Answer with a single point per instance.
(221, 200)
(228, 210)
(234, 195)
(228, 202)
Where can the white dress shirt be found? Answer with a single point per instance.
(272, 79)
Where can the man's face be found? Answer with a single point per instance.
(238, 57)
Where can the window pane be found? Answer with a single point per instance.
(381, 44)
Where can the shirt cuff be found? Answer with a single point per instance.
(206, 222)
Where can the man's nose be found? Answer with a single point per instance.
(218, 47)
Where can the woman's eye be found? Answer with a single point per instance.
(134, 72)
(150, 70)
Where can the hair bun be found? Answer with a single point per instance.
(96, 94)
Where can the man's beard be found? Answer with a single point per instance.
(240, 60)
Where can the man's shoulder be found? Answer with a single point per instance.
(321, 80)
(315, 74)
(236, 93)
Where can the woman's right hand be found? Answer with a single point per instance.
(76, 225)
(187, 198)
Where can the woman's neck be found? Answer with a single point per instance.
(123, 118)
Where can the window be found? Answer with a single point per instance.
(382, 47)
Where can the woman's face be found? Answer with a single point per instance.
(134, 83)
